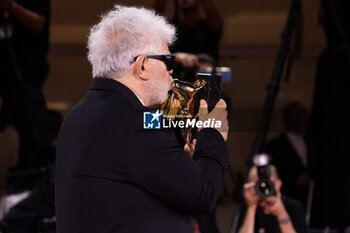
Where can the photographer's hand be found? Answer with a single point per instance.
(251, 199)
(219, 113)
(250, 195)
(274, 205)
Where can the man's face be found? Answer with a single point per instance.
(160, 82)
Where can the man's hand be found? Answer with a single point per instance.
(251, 199)
(250, 195)
(6, 5)
(219, 113)
(273, 205)
(189, 148)
(187, 59)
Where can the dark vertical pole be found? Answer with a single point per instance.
(273, 87)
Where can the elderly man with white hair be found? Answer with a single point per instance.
(113, 175)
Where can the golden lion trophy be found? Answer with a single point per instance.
(184, 98)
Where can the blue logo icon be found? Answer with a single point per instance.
(151, 120)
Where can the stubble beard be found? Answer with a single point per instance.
(158, 90)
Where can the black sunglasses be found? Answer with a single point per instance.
(169, 60)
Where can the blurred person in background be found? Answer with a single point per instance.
(24, 40)
(276, 213)
(289, 153)
(329, 125)
(33, 211)
(195, 35)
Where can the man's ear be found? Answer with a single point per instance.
(278, 184)
(140, 68)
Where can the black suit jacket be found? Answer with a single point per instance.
(114, 176)
(289, 167)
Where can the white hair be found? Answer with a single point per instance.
(122, 34)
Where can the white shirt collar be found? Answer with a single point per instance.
(140, 100)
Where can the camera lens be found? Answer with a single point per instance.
(264, 188)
